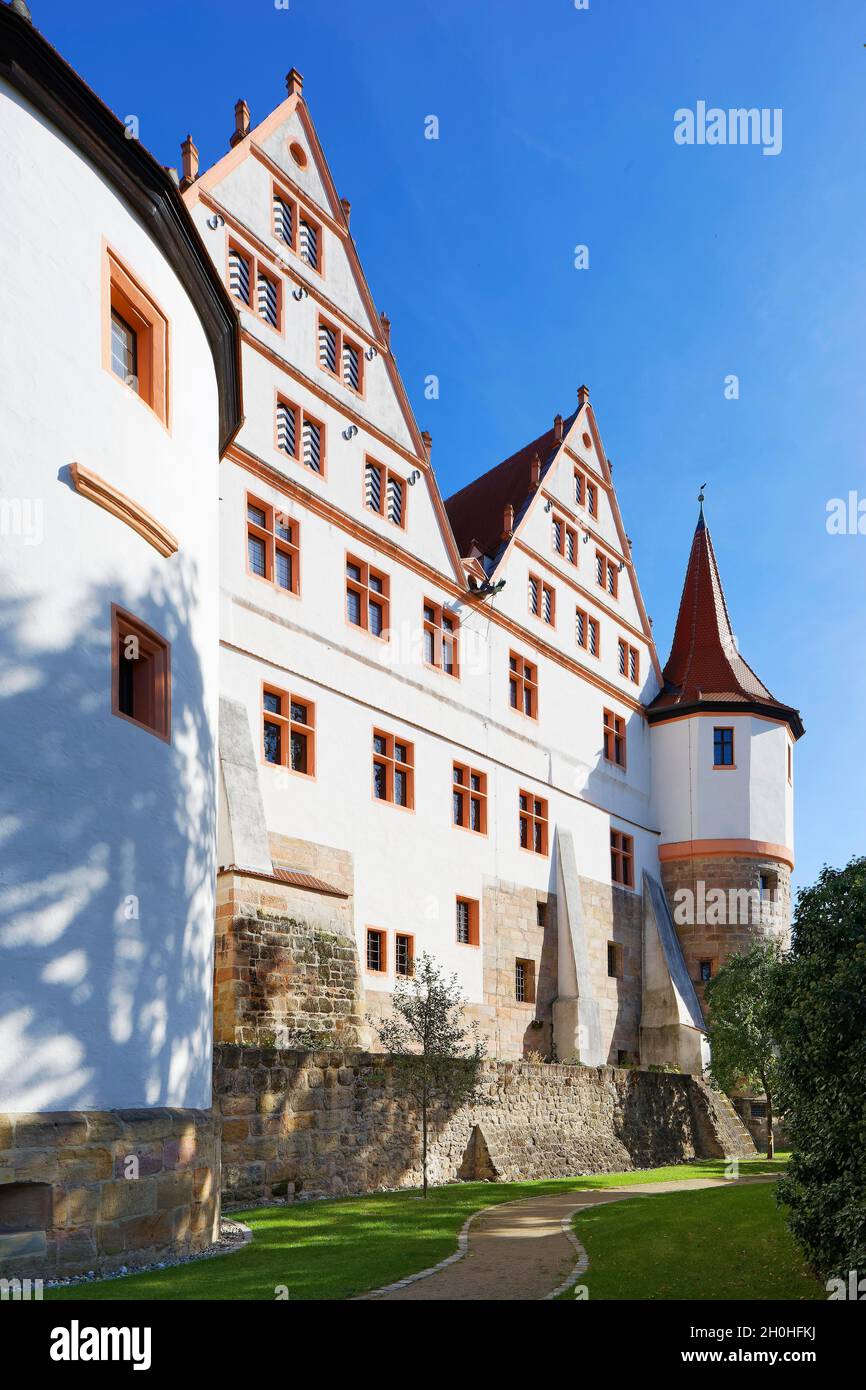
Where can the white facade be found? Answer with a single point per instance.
(106, 904)
(410, 865)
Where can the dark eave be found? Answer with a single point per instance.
(660, 714)
(30, 64)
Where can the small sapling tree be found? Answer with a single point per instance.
(436, 1057)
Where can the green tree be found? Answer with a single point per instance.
(743, 1044)
(436, 1059)
(819, 1005)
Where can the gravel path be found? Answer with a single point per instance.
(524, 1250)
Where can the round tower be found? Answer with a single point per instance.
(723, 781)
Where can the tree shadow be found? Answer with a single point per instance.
(107, 836)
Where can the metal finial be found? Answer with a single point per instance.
(701, 497)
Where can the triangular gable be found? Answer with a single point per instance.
(269, 141)
(511, 484)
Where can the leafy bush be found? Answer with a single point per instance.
(819, 1016)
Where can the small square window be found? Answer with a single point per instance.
(377, 958)
(141, 674)
(467, 921)
(404, 954)
(524, 981)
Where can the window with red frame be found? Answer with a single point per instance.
(340, 356)
(614, 738)
(587, 632)
(273, 546)
(629, 661)
(606, 573)
(289, 731)
(259, 289)
(470, 799)
(622, 858)
(300, 436)
(585, 492)
(440, 638)
(367, 598)
(385, 492)
(523, 685)
(393, 770)
(533, 822)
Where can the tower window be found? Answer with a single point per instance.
(705, 971)
(723, 747)
(141, 674)
(124, 351)
(614, 960)
(135, 337)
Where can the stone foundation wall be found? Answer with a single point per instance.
(82, 1190)
(716, 941)
(286, 964)
(325, 1124)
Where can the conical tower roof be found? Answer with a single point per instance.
(705, 671)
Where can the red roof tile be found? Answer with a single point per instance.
(705, 667)
(476, 512)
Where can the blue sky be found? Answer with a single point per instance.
(556, 130)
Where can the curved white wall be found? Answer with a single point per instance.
(106, 902)
(696, 801)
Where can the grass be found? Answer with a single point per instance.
(334, 1249)
(700, 1245)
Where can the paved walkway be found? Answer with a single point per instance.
(525, 1250)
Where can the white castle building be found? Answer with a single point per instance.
(443, 725)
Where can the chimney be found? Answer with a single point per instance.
(386, 329)
(189, 157)
(535, 471)
(242, 123)
(294, 83)
(557, 428)
(427, 440)
(508, 522)
(582, 396)
(347, 208)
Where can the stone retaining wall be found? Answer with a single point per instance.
(325, 1124)
(90, 1189)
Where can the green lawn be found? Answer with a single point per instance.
(701, 1245)
(334, 1249)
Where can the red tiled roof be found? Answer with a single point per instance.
(476, 512)
(705, 667)
(295, 877)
